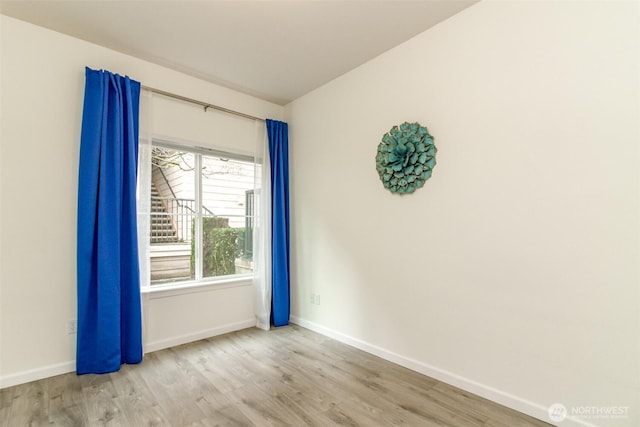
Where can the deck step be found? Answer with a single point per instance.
(161, 227)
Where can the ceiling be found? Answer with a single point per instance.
(275, 50)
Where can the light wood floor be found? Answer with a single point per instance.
(288, 376)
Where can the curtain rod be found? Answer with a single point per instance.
(206, 105)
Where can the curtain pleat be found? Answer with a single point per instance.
(108, 280)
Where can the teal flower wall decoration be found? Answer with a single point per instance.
(406, 156)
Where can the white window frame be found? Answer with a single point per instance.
(199, 284)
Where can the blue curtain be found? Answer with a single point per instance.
(278, 135)
(109, 310)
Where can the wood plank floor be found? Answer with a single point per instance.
(288, 376)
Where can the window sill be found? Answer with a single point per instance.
(172, 289)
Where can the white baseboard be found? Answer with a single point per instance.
(37, 374)
(510, 401)
(66, 367)
(200, 335)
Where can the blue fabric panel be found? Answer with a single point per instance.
(108, 279)
(278, 135)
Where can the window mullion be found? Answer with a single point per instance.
(198, 218)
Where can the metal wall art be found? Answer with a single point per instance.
(406, 156)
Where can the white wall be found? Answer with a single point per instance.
(42, 91)
(514, 271)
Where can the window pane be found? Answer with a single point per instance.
(172, 215)
(227, 185)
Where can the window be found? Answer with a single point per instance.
(201, 216)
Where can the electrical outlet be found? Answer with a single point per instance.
(72, 327)
(314, 298)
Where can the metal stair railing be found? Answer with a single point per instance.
(171, 217)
